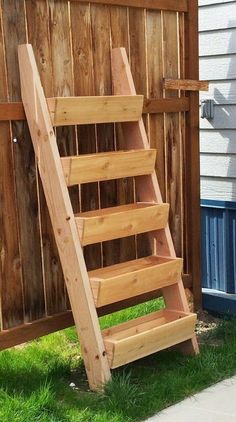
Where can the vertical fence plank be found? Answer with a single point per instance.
(38, 35)
(185, 247)
(62, 80)
(11, 288)
(139, 72)
(125, 187)
(25, 170)
(172, 130)
(100, 20)
(84, 85)
(192, 152)
(155, 90)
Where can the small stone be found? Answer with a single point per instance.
(72, 385)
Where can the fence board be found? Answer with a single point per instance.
(84, 85)
(179, 5)
(192, 171)
(139, 72)
(100, 24)
(126, 247)
(155, 77)
(39, 37)
(24, 170)
(172, 130)
(12, 311)
(62, 82)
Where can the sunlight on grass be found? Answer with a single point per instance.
(45, 381)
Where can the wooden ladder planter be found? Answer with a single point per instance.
(104, 350)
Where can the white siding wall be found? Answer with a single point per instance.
(217, 48)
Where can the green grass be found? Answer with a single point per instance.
(35, 380)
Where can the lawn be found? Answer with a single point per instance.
(45, 380)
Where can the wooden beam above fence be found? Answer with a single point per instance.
(174, 5)
(15, 111)
(185, 85)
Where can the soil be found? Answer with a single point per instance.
(206, 324)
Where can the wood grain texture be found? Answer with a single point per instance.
(64, 226)
(84, 85)
(133, 278)
(192, 188)
(101, 27)
(138, 338)
(155, 74)
(173, 139)
(31, 330)
(37, 14)
(67, 111)
(158, 105)
(181, 5)
(107, 166)
(12, 312)
(25, 171)
(139, 73)
(122, 221)
(62, 85)
(147, 189)
(125, 247)
(185, 85)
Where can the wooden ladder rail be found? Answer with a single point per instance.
(147, 189)
(65, 230)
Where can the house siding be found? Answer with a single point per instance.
(217, 50)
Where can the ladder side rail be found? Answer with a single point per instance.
(63, 221)
(147, 187)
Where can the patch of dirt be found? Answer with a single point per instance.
(205, 327)
(206, 322)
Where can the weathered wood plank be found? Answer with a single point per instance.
(31, 330)
(39, 37)
(185, 85)
(181, 5)
(192, 155)
(139, 73)
(11, 299)
(173, 139)
(126, 247)
(84, 85)
(62, 84)
(155, 75)
(100, 27)
(24, 171)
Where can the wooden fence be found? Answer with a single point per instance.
(72, 41)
